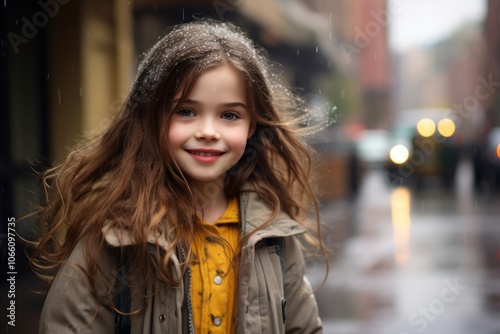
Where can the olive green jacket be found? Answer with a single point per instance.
(71, 308)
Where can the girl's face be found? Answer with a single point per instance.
(208, 132)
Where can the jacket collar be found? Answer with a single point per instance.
(117, 236)
(254, 212)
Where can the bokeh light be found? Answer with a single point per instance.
(426, 127)
(399, 154)
(446, 127)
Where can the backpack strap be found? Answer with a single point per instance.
(278, 243)
(122, 300)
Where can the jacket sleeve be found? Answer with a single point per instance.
(301, 308)
(70, 307)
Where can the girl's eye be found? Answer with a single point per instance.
(185, 113)
(230, 116)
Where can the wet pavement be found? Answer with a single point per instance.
(409, 263)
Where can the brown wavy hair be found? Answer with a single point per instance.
(127, 177)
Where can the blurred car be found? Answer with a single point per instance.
(371, 148)
(487, 161)
(423, 147)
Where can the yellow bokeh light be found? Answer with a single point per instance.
(498, 150)
(426, 127)
(446, 127)
(399, 154)
(401, 207)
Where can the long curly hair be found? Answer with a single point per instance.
(127, 178)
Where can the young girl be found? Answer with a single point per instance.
(185, 214)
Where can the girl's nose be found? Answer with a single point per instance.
(207, 131)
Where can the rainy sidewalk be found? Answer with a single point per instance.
(412, 264)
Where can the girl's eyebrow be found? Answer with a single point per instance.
(234, 105)
(227, 104)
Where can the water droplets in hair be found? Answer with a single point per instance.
(322, 113)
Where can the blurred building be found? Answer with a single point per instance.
(64, 64)
(374, 67)
(362, 89)
(493, 61)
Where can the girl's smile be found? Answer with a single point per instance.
(205, 155)
(208, 131)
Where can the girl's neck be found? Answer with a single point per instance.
(211, 198)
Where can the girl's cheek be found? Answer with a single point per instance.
(174, 134)
(242, 146)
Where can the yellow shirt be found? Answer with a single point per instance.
(213, 279)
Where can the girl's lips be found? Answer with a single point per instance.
(205, 156)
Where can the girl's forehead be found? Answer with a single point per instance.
(214, 79)
(193, 76)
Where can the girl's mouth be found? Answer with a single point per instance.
(205, 156)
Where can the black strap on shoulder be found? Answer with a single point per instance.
(278, 243)
(122, 301)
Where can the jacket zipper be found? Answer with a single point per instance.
(243, 205)
(188, 293)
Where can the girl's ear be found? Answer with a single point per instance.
(251, 129)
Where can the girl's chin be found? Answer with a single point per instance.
(197, 181)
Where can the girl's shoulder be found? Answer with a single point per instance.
(255, 212)
(71, 292)
(104, 255)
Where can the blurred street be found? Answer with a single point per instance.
(412, 263)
